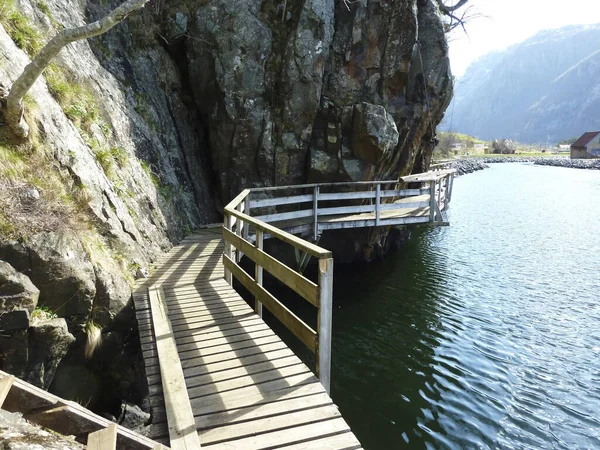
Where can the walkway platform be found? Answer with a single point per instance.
(244, 387)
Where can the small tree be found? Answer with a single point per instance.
(12, 104)
(503, 146)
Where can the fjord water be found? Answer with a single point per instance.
(484, 334)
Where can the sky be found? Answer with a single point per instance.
(508, 22)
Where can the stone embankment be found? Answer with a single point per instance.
(571, 163)
(465, 166)
(469, 165)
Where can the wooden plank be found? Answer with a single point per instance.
(288, 436)
(25, 399)
(260, 405)
(6, 383)
(295, 241)
(377, 205)
(274, 387)
(284, 216)
(394, 206)
(293, 323)
(292, 279)
(180, 417)
(105, 439)
(263, 410)
(347, 195)
(316, 195)
(238, 199)
(322, 185)
(276, 201)
(260, 426)
(346, 441)
(258, 272)
(346, 210)
(249, 381)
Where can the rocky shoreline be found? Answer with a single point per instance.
(469, 165)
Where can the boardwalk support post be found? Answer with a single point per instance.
(325, 319)
(316, 213)
(228, 250)
(377, 205)
(258, 273)
(432, 201)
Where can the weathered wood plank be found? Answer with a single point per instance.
(276, 201)
(180, 417)
(287, 436)
(29, 400)
(6, 383)
(297, 242)
(261, 425)
(105, 439)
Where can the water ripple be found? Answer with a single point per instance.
(485, 334)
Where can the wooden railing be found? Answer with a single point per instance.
(319, 294)
(310, 209)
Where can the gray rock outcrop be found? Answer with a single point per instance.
(49, 341)
(312, 91)
(62, 270)
(16, 290)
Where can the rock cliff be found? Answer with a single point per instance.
(143, 133)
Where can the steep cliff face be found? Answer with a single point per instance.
(310, 90)
(114, 175)
(142, 134)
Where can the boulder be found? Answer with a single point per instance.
(14, 320)
(132, 416)
(49, 341)
(374, 132)
(112, 295)
(62, 270)
(16, 290)
(14, 352)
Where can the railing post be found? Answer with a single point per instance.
(432, 201)
(316, 212)
(450, 187)
(377, 204)
(258, 273)
(440, 182)
(239, 230)
(325, 319)
(228, 252)
(247, 212)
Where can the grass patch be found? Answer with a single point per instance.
(76, 99)
(20, 29)
(33, 194)
(41, 313)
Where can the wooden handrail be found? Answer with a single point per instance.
(238, 220)
(301, 244)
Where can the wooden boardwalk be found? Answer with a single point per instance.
(244, 387)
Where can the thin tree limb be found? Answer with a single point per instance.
(13, 111)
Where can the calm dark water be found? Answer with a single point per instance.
(484, 334)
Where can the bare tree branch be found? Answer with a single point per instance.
(13, 111)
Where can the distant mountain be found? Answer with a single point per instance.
(546, 86)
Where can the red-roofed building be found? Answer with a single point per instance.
(587, 146)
